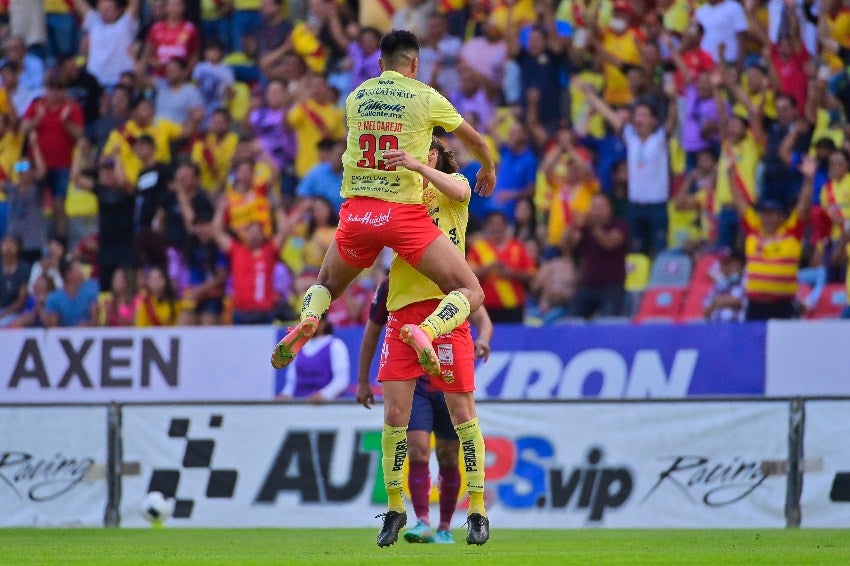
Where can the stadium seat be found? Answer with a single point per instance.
(670, 269)
(637, 272)
(693, 304)
(832, 302)
(703, 267)
(661, 304)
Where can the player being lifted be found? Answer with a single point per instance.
(444, 404)
(384, 208)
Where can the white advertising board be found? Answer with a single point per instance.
(549, 465)
(52, 466)
(826, 484)
(136, 365)
(807, 359)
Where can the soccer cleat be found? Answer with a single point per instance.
(294, 340)
(393, 522)
(444, 537)
(420, 533)
(415, 337)
(478, 529)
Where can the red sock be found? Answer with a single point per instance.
(419, 482)
(449, 489)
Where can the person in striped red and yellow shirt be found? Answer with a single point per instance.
(773, 245)
(504, 267)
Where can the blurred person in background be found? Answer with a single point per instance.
(727, 301)
(157, 303)
(48, 265)
(321, 372)
(214, 152)
(773, 246)
(111, 32)
(600, 245)
(75, 304)
(33, 314)
(14, 274)
(58, 122)
(504, 267)
(117, 307)
(26, 219)
(203, 299)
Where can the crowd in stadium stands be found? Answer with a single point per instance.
(178, 162)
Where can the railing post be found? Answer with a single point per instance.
(112, 516)
(794, 489)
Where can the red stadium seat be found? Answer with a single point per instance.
(661, 304)
(692, 308)
(703, 266)
(831, 303)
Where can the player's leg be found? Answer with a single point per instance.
(462, 408)
(418, 454)
(443, 264)
(398, 398)
(447, 446)
(334, 277)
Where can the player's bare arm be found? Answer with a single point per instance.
(443, 182)
(486, 178)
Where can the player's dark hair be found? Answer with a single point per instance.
(446, 161)
(398, 45)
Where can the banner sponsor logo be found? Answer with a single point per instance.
(41, 478)
(713, 482)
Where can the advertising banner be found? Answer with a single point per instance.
(549, 465)
(52, 466)
(808, 358)
(826, 479)
(95, 365)
(666, 361)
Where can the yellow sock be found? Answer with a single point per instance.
(317, 301)
(449, 314)
(472, 450)
(394, 447)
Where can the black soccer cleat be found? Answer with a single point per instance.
(478, 529)
(393, 522)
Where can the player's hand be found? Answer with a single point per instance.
(485, 182)
(482, 350)
(400, 158)
(365, 395)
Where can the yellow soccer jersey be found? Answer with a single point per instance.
(391, 112)
(407, 285)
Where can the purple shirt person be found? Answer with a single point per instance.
(320, 373)
(269, 125)
(700, 120)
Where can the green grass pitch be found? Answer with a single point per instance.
(357, 546)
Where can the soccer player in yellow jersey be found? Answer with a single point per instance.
(410, 297)
(384, 207)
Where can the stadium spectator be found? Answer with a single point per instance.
(517, 170)
(110, 38)
(553, 287)
(268, 123)
(648, 161)
(33, 313)
(157, 303)
(30, 65)
(62, 30)
(75, 304)
(324, 180)
(173, 37)
(49, 264)
(184, 201)
(773, 247)
(214, 80)
(727, 301)
(177, 100)
(439, 56)
(252, 262)
(203, 299)
(116, 198)
(117, 307)
(113, 115)
(275, 28)
(82, 87)
(246, 19)
(214, 152)
(18, 96)
(58, 122)
(151, 185)
(724, 23)
(14, 273)
(840, 257)
(788, 137)
(601, 246)
(322, 371)
(26, 220)
(503, 266)
(313, 118)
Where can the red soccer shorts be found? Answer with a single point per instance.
(455, 350)
(368, 225)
